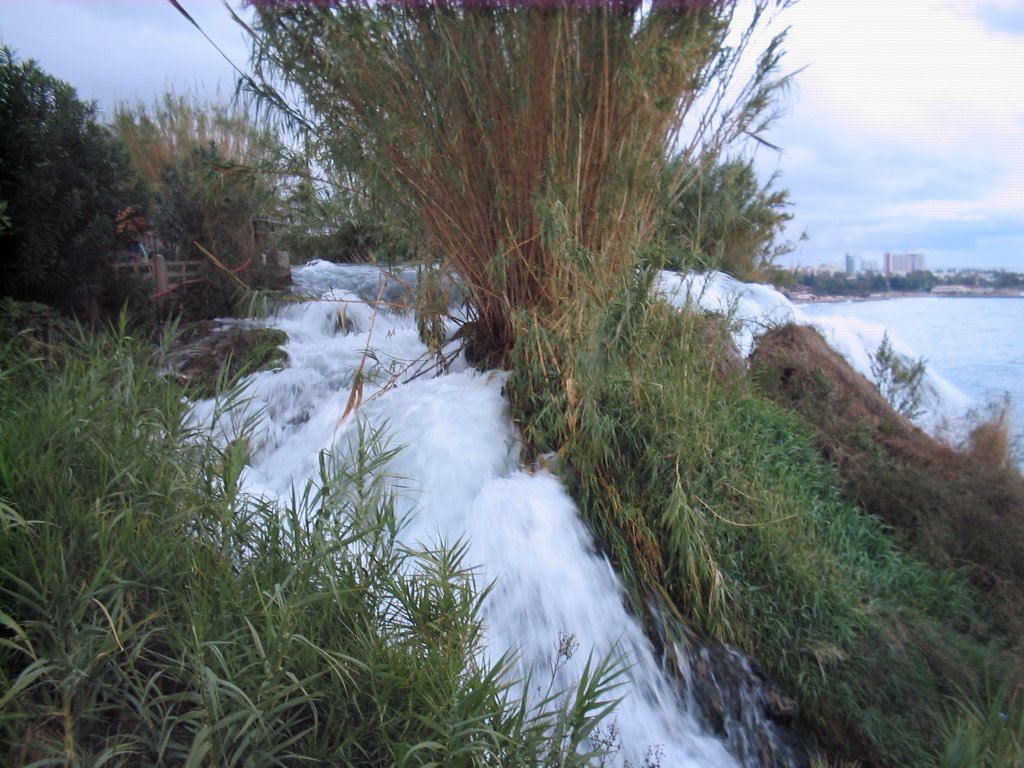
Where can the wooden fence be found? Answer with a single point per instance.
(167, 276)
(177, 276)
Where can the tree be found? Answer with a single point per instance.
(528, 143)
(212, 170)
(62, 179)
(722, 217)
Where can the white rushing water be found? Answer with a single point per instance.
(461, 480)
(974, 341)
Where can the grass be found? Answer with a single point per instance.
(987, 732)
(151, 613)
(710, 495)
(956, 508)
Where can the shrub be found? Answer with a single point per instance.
(721, 217)
(204, 211)
(898, 380)
(63, 180)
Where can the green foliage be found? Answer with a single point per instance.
(62, 180)
(511, 136)
(1004, 280)
(841, 284)
(170, 130)
(709, 496)
(213, 168)
(898, 379)
(152, 614)
(204, 211)
(206, 200)
(987, 734)
(721, 217)
(212, 171)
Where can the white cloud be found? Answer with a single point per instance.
(927, 70)
(907, 130)
(116, 50)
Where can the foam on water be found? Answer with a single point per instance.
(753, 308)
(524, 535)
(461, 480)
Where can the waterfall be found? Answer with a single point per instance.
(555, 600)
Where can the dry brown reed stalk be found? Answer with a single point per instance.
(529, 142)
(990, 443)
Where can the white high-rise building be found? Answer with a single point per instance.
(903, 263)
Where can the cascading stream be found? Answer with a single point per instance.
(458, 478)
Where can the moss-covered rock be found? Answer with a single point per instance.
(208, 356)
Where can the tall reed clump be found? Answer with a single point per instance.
(529, 141)
(212, 172)
(164, 133)
(152, 614)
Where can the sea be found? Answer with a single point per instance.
(975, 343)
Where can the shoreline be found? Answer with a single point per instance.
(803, 298)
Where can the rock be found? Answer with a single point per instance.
(736, 700)
(209, 356)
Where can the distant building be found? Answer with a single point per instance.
(851, 265)
(903, 263)
(869, 265)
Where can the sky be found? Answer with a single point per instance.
(903, 130)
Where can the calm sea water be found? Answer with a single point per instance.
(975, 343)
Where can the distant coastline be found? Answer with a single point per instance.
(800, 297)
(805, 286)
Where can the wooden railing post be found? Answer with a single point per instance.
(283, 267)
(160, 274)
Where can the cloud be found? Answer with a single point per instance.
(125, 51)
(925, 68)
(905, 132)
